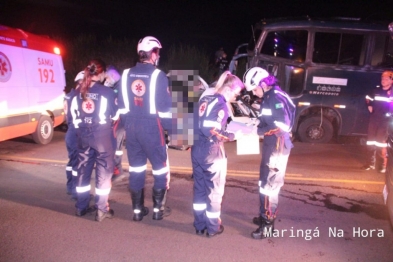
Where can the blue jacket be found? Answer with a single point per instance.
(97, 111)
(213, 115)
(144, 93)
(277, 113)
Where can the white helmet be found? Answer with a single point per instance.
(148, 43)
(253, 76)
(79, 76)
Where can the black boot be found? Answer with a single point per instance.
(159, 200)
(264, 230)
(138, 198)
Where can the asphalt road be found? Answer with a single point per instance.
(330, 210)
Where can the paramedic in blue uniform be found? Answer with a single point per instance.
(71, 140)
(146, 102)
(112, 80)
(276, 119)
(209, 161)
(378, 104)
(92, 112)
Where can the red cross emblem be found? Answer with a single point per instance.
(5, 68)
(138, 87)
(88, 106)
(202, 108)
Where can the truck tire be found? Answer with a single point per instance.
(312, 131)
(44, 133)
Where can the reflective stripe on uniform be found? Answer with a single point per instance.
(282, 126)
(377, 144)
(199, 207)
(165, 115)
(103, 192)
(124, 91)
(369, 98)
(213, 214)
(74, 173)
(137, 169)
(68, 168)
(161, 171)
(208, 123)
(266, 112)
(103, 106)
(74, 110)
(210, 106)
(270, 193)
(383, 98)
(83, 189)
(119, 152)
(152, 91)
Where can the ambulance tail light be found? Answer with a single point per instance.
(56, 50)
(304, 103)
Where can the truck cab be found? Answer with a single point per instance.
(327, 66)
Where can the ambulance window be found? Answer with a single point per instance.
(342, 49)
(382, 54)
(290, 44)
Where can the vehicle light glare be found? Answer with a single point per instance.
(304, 103)
(56, 50)
(339, 106)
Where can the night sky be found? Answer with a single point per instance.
(208, 24)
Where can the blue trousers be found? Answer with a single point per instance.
(120, 135)
(94, 148)
(275, 153)
(209, 167)
(146, 140)
(72, 165)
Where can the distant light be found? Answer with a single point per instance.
(275, 40)
(290, 50)
(56, 50)
(304, 103)
(339, 106)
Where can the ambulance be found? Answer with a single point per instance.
(32, 81)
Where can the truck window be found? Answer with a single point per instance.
(289, 44)
(382, 54)
(336, 48)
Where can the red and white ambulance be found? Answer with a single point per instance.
(32, 81)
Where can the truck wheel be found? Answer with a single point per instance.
(312, 131)
(44, 133)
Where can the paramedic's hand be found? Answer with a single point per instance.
(370, 108)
